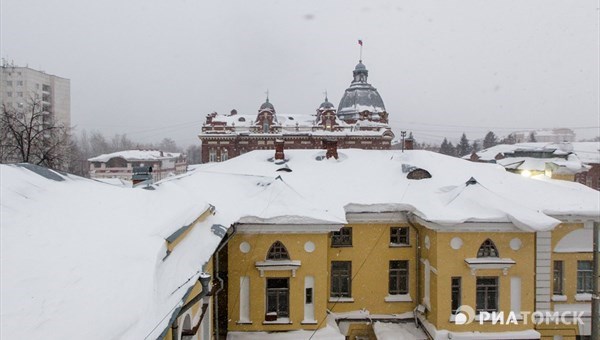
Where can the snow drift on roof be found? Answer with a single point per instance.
(136, 155)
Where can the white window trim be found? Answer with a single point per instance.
(341, 299)
(277, 265)
(477, 263)
(398, 298)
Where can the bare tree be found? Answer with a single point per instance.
(30, 134)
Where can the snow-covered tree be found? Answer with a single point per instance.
(532, 137)
(510, 139)
(447, 148)
(463, 147)
(490, 140)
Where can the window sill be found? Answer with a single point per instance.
(559, 298)
(279, 321)
(341, 246)
(583, 297)
(399, 245)
(341, 299)
(244, 322)
(398, 298)
(309, 322)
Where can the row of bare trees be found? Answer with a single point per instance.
(31, 135)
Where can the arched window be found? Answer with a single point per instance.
(488, 249)
(278, 252)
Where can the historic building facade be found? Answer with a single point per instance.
(360, 121)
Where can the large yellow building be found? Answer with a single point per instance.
(408, 249)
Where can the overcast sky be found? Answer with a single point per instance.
(155, 68)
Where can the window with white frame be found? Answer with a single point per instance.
(398, 278)
(585, 277)
(487, 294)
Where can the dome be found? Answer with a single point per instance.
(267, 106)
(360, 96)
(360, 66)
(326, 105)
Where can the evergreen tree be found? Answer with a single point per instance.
(532, 137)
(490, 140)
(510, 139)
(476, 146)
(463, 147)
(447, 148)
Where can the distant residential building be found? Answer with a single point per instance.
(558, 135)
(19, 86)
(121, 164)
(360, 122)
(578, 161)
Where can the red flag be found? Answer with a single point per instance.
(360, 42)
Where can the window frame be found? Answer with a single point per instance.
(455, 287)
(278, 293)
(585, 277)
(341, 238)
(398, 277)
(396, 236)
(277, 252)
(340, 274)
(558, 277)
(487, 248)
(487, 289)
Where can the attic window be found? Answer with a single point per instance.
(278, 252)
(241, 119)
(488, 249)
(291, 118)
(418, 174)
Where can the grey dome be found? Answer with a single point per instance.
(360, 66)
(360, 96)
(267, 106)
(326, 105)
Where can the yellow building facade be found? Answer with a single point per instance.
(390, 270)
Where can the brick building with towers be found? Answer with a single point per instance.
(360, 122)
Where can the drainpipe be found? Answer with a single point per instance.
(221, 282)
(409, 217)
(204, 281)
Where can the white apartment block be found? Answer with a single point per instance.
(20, 85)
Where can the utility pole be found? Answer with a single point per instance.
(596, 285)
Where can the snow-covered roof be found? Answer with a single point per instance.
(587, 152)
(375, 181)
(82, 257)
(79, 252)
(136, 155)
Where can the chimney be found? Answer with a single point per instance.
(279, 155)
(331, 146)
(409, 144)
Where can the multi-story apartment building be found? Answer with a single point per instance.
(21, 86)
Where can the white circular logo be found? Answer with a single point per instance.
(464, 315)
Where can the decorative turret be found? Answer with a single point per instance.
(326, 115)
(266, 119)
